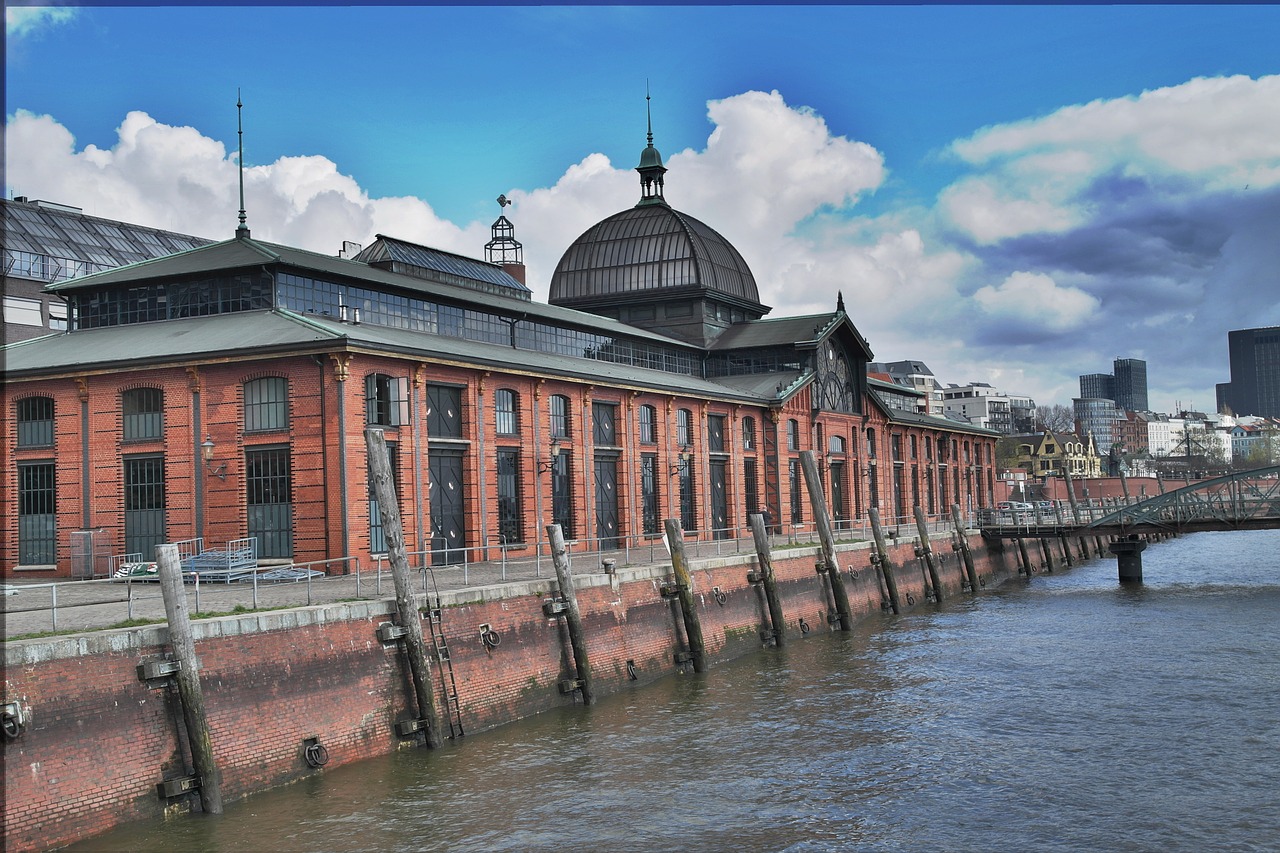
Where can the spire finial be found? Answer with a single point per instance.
(647, 111)
(242, 230)
(650, 168)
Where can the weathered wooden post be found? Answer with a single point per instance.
(922, 526)
(763, 552)
(684, 591)
(572, 616)
(882, 555)
(823, 519)
(965, 554)
(1047, 554)
(1022, 552)
(169, 570)
(1067, 559)
(415, 647)
(1081, 545)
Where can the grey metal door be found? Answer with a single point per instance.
(448, 507)
(607, 501)
(719, 501)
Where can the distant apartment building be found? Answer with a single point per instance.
(916, 375)
(1254, 358)
(980, 405)
(45, 243)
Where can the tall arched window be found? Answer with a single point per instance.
(684, 428)
(793, 434)
(386, 400)
(266, 404)
(748, 433)
(559, 409)
(648, 425)
(504, 404)
(35, 422)
(143, 413)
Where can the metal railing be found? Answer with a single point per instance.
(100, 603)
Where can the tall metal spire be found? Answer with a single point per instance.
(651, 169)
(242, 230)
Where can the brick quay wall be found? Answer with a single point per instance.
(97, 740)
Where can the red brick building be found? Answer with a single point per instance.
(224, 392)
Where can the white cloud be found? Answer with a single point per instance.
(25, 21)
(1212, 134)
(178, 179)
(1035, 301)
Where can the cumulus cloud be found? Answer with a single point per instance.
(1035, 302)
(178, 179)
(1205, 135)
(1115, 228)
(24, 21)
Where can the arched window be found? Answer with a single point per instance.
(266, 404)
(559, 409)
(143, 413)
(835, 444)
(35, 422)
(871, 443)
(748, 433)
(793, 434)
(648, 425)
(504, 404)
(928, 447)
(386, 400)
(684, 428)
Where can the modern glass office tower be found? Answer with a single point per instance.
(1131, 384)
(1254, 357)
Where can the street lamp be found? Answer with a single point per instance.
(544, 467)
(206, 453)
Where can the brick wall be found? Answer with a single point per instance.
(99, 740)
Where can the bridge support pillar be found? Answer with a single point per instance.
(1129, 557)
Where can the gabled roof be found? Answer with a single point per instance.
(227, 255)
(804, 332)
(396, 253)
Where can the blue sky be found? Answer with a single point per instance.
(1015, 195)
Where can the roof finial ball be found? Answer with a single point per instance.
(651, 169)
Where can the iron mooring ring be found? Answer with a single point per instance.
(316, 755)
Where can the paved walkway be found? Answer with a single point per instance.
(73, 606)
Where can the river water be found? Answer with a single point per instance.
(1063, 713)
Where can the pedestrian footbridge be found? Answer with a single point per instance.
(1245, 500)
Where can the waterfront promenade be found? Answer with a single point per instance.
(37, 607)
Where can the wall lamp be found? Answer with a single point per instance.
(206, 452)
(544, 467)
(685, 455)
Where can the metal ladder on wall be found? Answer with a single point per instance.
(453, 709)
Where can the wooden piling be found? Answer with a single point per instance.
(922, 527)
(1022, 553)
(884, 565)
(764, 554)
(415, 647)
(818, 503)
(1047, 554)
(572, 616)
(169, 570)
(684, 591)
(965, 554)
